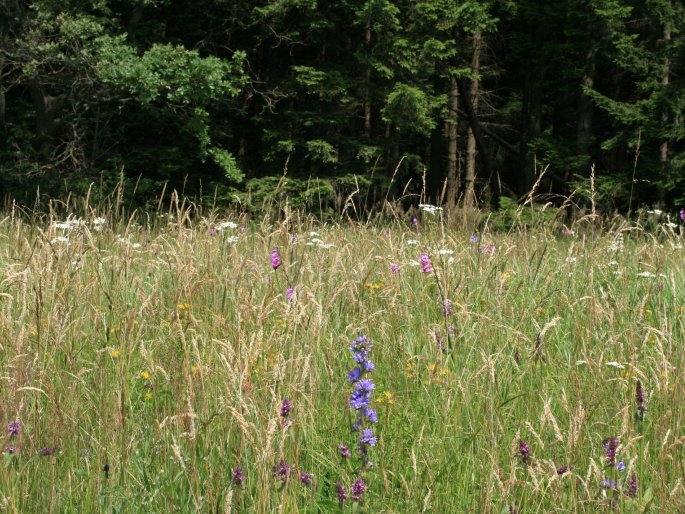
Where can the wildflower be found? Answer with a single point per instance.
(610, 484)
(615, 364)
(474, 239)
(412, 242)
(145, 375)
(561, 470)
(289, 293)
(361, 396)
(524, 451)
(631, 490)
(358, 489)
(45, 452)
(394, 268)
(355, 374)
(286, 407)
(344, 451)
(610, 447)
(306, 478)
(447, 307)
(342, 493)
(212, 231)
(13, 427)
(238, 476)
(621, 466)
(682, 214)
(10, 449)
(367, 437)
(487, 248)
(426, 263)
(430, 209)
(275, 259)
(640, 398)
(414, 222)
(282, 471)
(115, 354)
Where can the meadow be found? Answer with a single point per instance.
(187, 363)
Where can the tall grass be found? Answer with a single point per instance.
(145, 362)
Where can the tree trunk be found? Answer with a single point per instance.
(663, 150)
(584, 124)
(452, 151)
(367, 90)
(471, 151)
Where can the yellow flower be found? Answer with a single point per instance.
(115, 354)
(196, 369)
(184, 306)
(389, 398)
(280, 322)
(148, 396)
(144, 375)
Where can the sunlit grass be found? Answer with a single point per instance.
(150, 361)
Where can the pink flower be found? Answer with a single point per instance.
(275, 258)
(395, 268)
(426, 263)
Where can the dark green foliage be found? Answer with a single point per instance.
(226, 95)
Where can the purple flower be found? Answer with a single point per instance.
(306, 478)
(359, 399)
(368, 365)
(426, 264)
(631, 490)
(610, 447)
(286, 407)
(358, 489)
(609, 484)
(13, 427)
(238, 476)
(355, 374)
(414, 222)
(682, 214)
(282, 471)
(342, 493)
(561, 470)
(45, 452)
(367, 437)
(524, 451)
(10, 449)
(395, 268)
(344, 451)
(621, 466)
(212, 231)
(371, 415)
(447, 307)
(473, 239)
(289, 293)
(275, 258)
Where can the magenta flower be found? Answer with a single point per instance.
(344, 451)
(289, 293)
(13, 427)
(426, 263)
(275, 259)
(395, 268)
(414, 222)
(358, 489)
(524, 451)
(212, 231)
(682, 214)
(286, 407)
(447, 307)
(238, 476)
(342, 493)
(306, 478)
